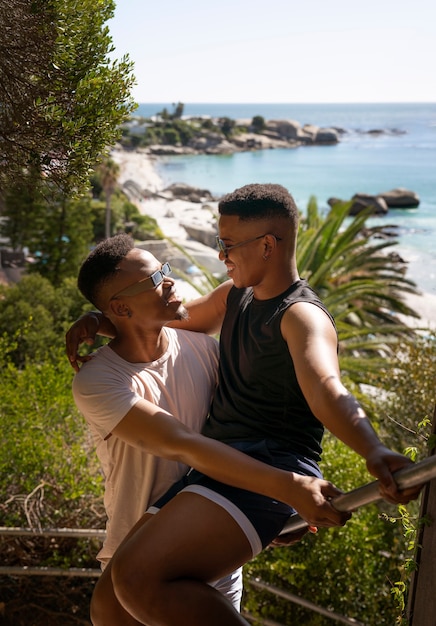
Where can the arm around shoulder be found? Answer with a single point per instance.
(206, 314)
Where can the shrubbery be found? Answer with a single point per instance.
(49, 473)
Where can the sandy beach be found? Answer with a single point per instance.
(139, 167)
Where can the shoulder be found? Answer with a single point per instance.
(189, 339)
(307, 318)
(104, 365)
(206, 313)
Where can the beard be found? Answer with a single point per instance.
(181, 313)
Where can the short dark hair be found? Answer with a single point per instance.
(259, 201)
(101, 264)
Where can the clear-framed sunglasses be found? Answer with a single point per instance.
(145, 284)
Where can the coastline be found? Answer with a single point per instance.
(139, 167)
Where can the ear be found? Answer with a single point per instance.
(119, 308)
(269, 246)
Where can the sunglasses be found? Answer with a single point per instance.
(145, 284)
(222, 247)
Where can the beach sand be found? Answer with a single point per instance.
(139, 167)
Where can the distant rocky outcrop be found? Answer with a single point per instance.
(381, 202)
(293, 132)
(400, 198)
(275, 134)
(222, 135)
(362, 201)
(188, 193)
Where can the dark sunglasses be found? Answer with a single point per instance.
(222, 247)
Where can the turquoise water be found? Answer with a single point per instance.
(404, 156)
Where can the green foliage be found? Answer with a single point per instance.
(170, 136)
(362, 286)
(258, 123)
(37, 315)
(59, 230)
(208, 124)
(125, 217)
(108, 173)
(55, 228)
(227, 125)
(406, 411)
(48, 472)
(83, 96)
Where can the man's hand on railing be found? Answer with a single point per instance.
(289, 539)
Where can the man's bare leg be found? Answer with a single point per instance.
(160, 574)
(106, 609)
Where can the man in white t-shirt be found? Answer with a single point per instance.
(181, 381)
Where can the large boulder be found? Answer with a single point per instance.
(308, 133)
(361, 201)
(189, 193)
(205, 234)
(400, 198)
(326, 136)
(283, 129)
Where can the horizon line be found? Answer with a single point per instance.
(283, 102)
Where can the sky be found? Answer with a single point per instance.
(279, 50)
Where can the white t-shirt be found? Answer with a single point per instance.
(181, 381)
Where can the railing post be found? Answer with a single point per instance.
(421, 608)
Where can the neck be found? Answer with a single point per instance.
(275, 284)
(140, 347)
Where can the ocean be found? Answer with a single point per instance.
(404, 155)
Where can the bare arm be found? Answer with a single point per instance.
(157, 432)
(84, 330)
(312, 343)
(206, 314)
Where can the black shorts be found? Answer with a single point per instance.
(260, 517)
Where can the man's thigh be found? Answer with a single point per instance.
(190, 537)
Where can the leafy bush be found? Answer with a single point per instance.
(49, 473)
(258, 123)
(36, 315)
(171, 136)
(410, 378)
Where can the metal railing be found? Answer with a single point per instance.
(29, 570)
(411, 476)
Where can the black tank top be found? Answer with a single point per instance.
(258, 396)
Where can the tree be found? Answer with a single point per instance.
(63, 99)
(226, 125)
(108, 171)
(57, 230)
(178, 110)
(27, 49)
(258, 123)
